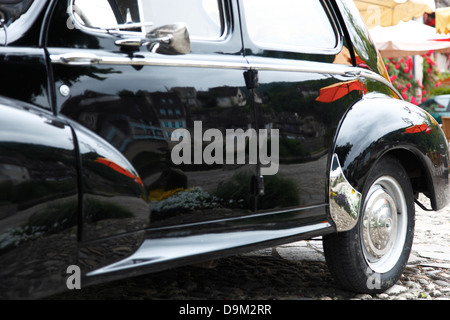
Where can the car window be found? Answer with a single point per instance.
(289, 25)
(443, 102)
(203, 17)
(88, 12)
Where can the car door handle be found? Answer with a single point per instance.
(354, 73)
(76, 58)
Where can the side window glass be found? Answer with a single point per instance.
(289, 25)
(202, 17)
(88, 11)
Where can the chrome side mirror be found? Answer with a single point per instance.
(171, 39)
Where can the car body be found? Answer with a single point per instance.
(129, 147)
(437, 106)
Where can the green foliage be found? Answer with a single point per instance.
(278, 192)
(96, 210)
(292, 148)
(441, 90)
(236, 192)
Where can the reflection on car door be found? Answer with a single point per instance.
(140, 102)
(303, 95)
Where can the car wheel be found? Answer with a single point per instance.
(371, 257)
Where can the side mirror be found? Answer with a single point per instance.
(170, 39)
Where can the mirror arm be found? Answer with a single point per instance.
(131, 42)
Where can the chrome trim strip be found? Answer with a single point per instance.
(345, 201)
(257, 215)
(154, 251)
(306, 66)
(375, 76)
(197, 61)
(70, 58)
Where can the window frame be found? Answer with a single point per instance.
(225, 28)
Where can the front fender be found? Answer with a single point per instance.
(378, 125)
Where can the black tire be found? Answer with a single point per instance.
(361, 260)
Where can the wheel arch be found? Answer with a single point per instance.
(399, 129)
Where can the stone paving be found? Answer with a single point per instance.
(427, 275)
(295, 271)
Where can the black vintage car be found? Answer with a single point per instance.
(140, 135)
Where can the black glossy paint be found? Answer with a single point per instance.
(406, 131)
(88, 176)
(23, 63)
(38, 201)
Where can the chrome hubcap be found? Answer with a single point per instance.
(384, 224)
(380, 223)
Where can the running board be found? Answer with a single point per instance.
(153, 251)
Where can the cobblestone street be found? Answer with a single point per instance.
(293, 271)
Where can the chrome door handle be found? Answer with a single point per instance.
(76, 58)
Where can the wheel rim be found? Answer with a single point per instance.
(384, 224)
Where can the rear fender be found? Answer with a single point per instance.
(377, 126)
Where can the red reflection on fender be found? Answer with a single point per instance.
(418, 128)
(119, 169)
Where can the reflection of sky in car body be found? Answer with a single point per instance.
(27, 132)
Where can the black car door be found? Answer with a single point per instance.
(306, 84)
(168, 114)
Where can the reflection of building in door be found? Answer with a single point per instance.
(170, 111)
(228, 97)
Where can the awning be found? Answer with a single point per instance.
(390, 12)
(408, 39)
(443, 20)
